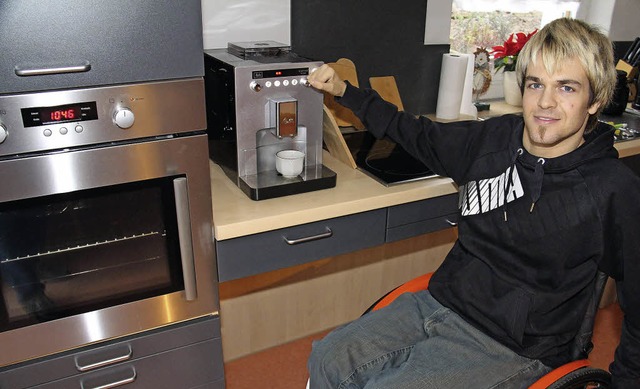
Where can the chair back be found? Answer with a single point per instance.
(582, 343)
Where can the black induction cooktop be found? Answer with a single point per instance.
(384, 160)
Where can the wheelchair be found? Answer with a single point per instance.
(577, 374)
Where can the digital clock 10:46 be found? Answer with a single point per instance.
(61, 115)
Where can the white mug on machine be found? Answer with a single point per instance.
(289, 163)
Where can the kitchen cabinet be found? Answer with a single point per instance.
(259, 253)
(421, 217)
(182, 356)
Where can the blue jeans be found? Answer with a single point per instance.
(416, 343)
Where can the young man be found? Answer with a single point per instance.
(545, 203)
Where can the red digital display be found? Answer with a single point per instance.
(38, 116)
(60, 115)
(259, 74)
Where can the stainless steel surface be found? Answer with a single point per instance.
(69, 171)
(251, 107)
(184, 233)
(102, 106)
(160, 108)
(261, 104)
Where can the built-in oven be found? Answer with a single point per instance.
(105, 203)
(105, 215)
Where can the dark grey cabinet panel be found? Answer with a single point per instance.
(182, 368)
(259, 253)
(421, 217)
(98, 43)
(189, 353)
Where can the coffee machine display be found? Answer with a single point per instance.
(259, 105)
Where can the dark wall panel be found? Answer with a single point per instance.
(381, 37)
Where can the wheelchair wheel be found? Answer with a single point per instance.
(585, 378)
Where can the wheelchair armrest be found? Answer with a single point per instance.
(559, 372)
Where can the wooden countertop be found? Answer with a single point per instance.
(236, 215)
(628, 148)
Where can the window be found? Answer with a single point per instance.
(487, 23)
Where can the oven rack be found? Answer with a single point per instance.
(85, 246)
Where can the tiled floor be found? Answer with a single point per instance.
(284, 367)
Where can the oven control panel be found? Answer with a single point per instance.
(54, 120)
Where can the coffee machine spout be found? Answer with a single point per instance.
(283, 116)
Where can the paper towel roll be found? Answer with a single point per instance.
(452, 78)
(466, 105)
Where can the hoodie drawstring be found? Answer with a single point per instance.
(537, 182)
(509, 180)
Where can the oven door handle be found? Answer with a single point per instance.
(184, 233)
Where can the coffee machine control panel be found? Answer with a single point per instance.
(279, 78)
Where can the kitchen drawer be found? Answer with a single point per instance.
(421, 217)
(64, 365)
(182, 368)
(259, 253)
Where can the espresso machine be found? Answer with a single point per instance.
(259, 103)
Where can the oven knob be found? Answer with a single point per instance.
(124, 118)
(255, 86)
(3, 133)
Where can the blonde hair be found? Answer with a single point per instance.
(571, 38)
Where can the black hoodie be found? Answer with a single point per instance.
(532, 233)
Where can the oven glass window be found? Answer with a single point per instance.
(73, 253)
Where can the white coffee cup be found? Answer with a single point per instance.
(289, 163)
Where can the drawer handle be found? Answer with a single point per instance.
(327, 234)
(120, 382)
(27, 72)
(452, 224)
(119, 358)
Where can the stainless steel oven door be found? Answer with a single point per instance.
(103, 242)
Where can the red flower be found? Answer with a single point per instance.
(507, 54)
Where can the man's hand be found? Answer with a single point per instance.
(325, 79)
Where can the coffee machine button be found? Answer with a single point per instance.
(285, 82)
(267, 84)
(276, 83)
(304, 81)
(294, 82)
(255, 86)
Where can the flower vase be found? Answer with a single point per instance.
(512, 93)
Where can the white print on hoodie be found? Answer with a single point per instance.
(482, 196)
